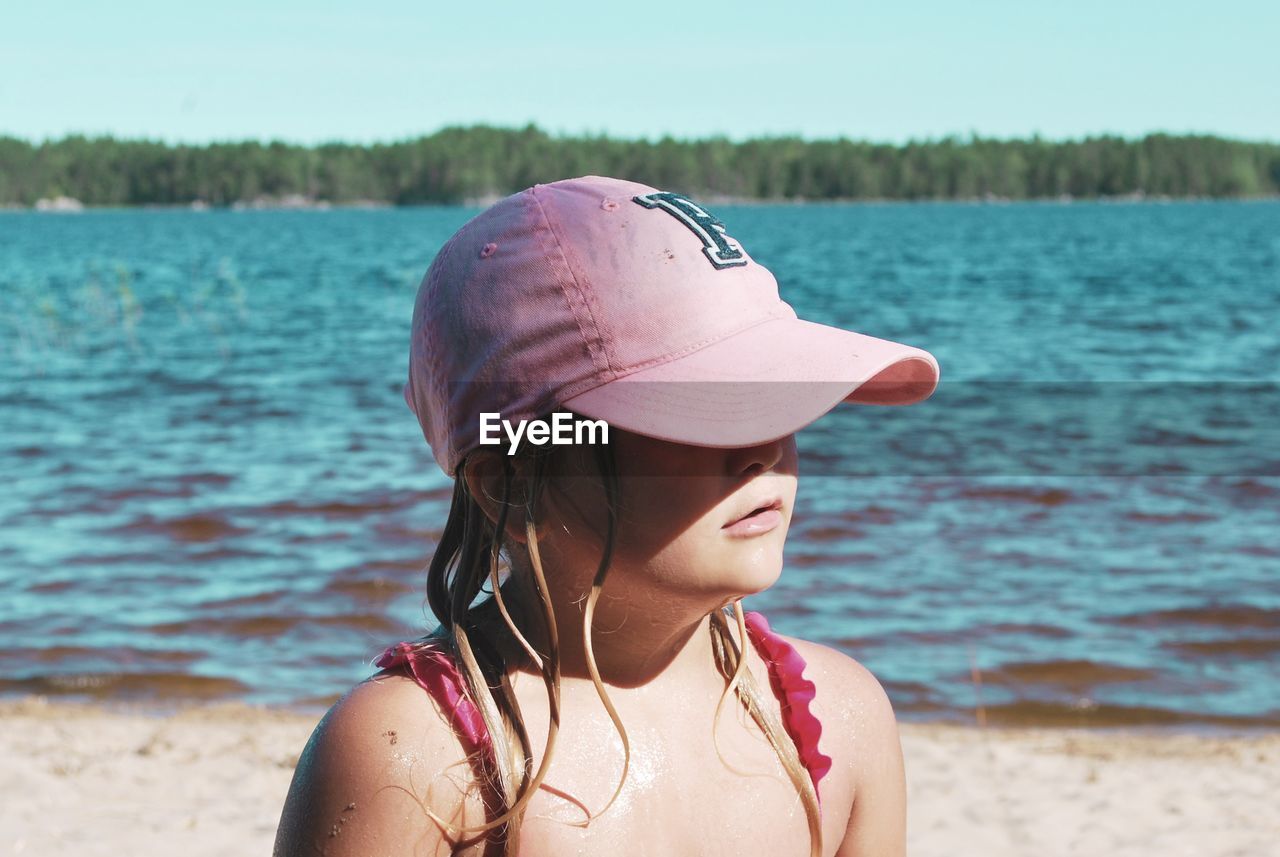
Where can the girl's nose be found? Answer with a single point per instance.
(762, 458)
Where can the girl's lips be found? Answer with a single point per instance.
(758, 521)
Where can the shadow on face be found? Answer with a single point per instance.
(676, 504)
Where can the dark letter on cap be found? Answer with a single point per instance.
(717, 246)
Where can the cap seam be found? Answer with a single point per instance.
(569, 391)
(437, 390)
(598, 354)
(773, 315)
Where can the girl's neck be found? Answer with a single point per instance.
(632, 646)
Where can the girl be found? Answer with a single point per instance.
(615, 385)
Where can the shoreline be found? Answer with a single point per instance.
(1011, 718)
(321, 205)
(210, 779)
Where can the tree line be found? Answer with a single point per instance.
(465, 164)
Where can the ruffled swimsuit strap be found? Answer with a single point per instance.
(430, 664)
(794, 692)
(433, 668)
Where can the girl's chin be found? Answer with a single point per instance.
(749, 578)
(762, 581)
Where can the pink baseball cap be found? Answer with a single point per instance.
(624, 303)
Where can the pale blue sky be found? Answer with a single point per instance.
(313, 71)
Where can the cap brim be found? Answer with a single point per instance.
(761, 384)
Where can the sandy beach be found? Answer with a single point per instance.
(83, 780)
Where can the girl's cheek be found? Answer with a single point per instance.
(579, 508)
(668, 506)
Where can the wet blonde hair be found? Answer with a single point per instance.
(468, 556)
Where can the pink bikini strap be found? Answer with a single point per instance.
(794, 692)
(432, 667)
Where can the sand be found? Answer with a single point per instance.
(84, 780)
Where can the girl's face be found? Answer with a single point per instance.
(692, 521)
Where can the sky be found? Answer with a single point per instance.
(310, 72)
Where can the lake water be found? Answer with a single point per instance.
(212, 488)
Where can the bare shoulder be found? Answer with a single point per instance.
(379, 761)
(847, 693)
(860, 733)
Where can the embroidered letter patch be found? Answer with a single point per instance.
(718, 247)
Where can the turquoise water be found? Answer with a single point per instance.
(214, 490)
